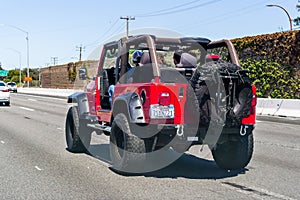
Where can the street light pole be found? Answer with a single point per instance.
(27, 39)
(27, 43)
(290, 19)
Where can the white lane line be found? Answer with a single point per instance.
(31, 99)
(29, 109)
(36, 167)
(2, 142)
(43, 97)
(59, 128)
(258, 193)
(278, 145)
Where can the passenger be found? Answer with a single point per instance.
(187, 60)
(176, 58)
(111, 90)
(136, 57)
(145, 59)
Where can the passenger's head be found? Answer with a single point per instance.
(187, 60)
(136, 57)
(176, 58)
(145, 59)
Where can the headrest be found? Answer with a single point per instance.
(187, 60)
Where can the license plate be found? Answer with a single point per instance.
(159, 112)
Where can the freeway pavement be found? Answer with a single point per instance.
(35, 164)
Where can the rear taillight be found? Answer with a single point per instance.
(7, 90)
(251, 119)
(254, 97)
(164, 99)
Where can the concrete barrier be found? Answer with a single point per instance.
(265, 106)
(289, 108)
(278, 107)
(260, 105)
(269, 106)
(48, 91)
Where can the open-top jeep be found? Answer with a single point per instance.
(158, 104)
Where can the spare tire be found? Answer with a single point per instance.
(237, 86)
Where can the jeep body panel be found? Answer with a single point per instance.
(150, 93)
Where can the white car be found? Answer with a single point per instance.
(4, 94)
(12, 86)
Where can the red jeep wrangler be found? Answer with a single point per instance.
(161, 104)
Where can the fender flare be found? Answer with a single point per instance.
(130, 104)
(80, 98)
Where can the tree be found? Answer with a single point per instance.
(297, 20)
(13, 76)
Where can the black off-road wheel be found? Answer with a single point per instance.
(127, 151)
(234, 154)
(78, 136)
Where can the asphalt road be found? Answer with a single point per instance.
(34, 163)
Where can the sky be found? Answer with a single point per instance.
(57, 27)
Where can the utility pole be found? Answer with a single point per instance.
(127, 23)
(40, 72)
(80, 49)
(55, 60)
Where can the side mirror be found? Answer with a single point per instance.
(82, 74)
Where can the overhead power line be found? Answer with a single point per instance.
(119, 29)
(168, 11)
(230, 14)
(104, 34)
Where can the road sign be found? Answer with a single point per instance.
(3, 72)
(28, 78)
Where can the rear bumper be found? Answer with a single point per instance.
(4, 100)
(4, 97)
(197, 135)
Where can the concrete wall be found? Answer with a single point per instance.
(66, 76)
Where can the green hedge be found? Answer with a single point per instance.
(272, 79)
(274, 60)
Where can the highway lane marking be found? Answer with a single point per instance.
(255, 192)
(2, 141)
(278, 145)
(36, 167)
(31, 99)
(43, 97)
(28, 109)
